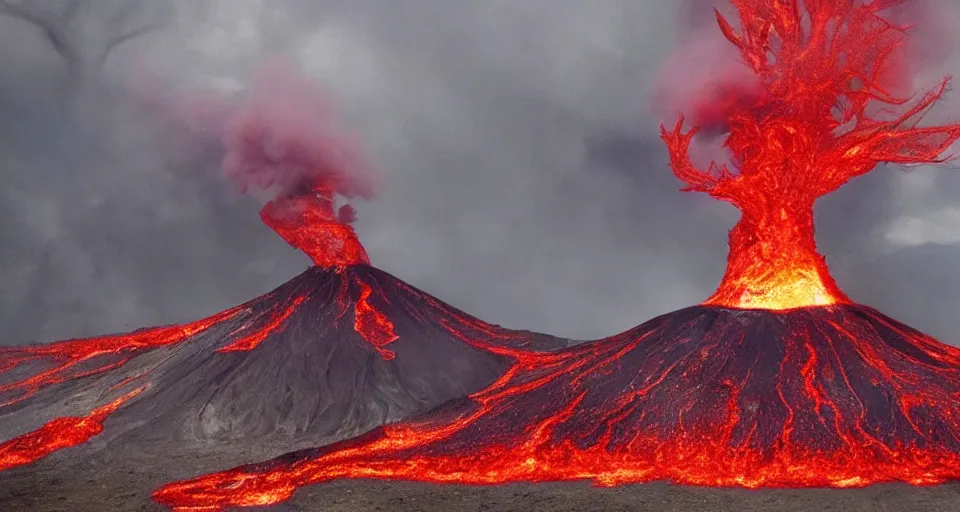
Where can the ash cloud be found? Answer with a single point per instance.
(277, 136)
(523, 178)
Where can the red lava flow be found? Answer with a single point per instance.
(306, 221)
(57, 434)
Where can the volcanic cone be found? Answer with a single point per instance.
(338, 350)
(334, 352)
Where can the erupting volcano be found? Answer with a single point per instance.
(336, 351)
(778, 379)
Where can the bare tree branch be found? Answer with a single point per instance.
(134, 33)
(123, 37)
(124, 15)
(20, 11)
(62, 27)
(54, 30)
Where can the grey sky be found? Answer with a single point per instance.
(525, 182)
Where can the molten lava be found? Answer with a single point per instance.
(375, 327)
(777, 380)
(255, 338)
(307, 222)
(837, 396)
(74, 359)
(334, 352)
(57, 434)
(810, 123)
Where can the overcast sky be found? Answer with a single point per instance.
(525, 182)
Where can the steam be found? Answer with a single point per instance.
(703, 71)
(278, 136)
(703, 78)
(281, 138)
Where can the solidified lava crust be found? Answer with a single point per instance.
(835, 396)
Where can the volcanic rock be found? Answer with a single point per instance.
(330, 354)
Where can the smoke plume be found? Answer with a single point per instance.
(703, 78)
(281, 137)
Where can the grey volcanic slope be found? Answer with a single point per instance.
(311, 380)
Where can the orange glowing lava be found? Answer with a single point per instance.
(814, 122)
(307, 221)
(57, 434)
(75, 359)
(373, 325)
(845, 397)
(253, 340)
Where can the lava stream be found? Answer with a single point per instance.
(306, 219)
(74, 359)
(325, 331)
(58, 434)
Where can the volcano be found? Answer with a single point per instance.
(778, 379)
(336, 351)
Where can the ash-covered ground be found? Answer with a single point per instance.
(78, 481)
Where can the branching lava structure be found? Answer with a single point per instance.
(778, 379)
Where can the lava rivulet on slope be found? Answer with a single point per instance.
(778, 379)
(57, 434)
(832, 396)
(334, 352)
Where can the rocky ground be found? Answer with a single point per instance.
(350, 496)
(75, 481)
